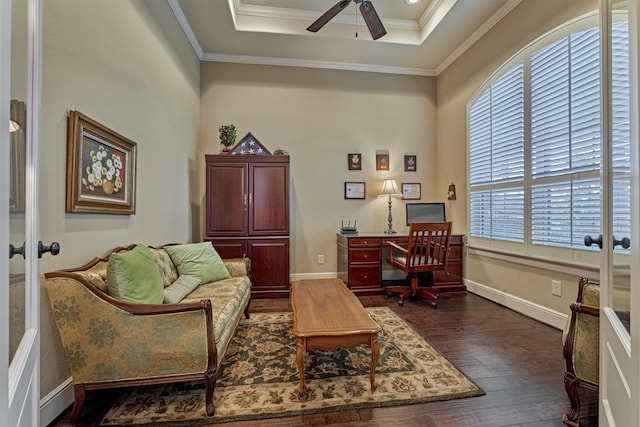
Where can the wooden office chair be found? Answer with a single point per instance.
(426, 252)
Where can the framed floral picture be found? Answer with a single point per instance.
(101, 168)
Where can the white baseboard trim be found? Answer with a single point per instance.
(535, 311)
(56, 402)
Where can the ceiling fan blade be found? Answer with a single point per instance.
(372, 19)
(328, 15)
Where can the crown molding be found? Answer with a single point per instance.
(305, 63)
(182, 20)
(490, 23)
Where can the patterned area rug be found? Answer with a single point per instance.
(259, 378)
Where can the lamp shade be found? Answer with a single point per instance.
(390, 188)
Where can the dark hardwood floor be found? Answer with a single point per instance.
(516, 360)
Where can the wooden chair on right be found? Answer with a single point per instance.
(426, 252)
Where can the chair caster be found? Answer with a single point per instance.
(401, 303)
(434, 304)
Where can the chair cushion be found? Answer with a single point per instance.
(199, 260)
(134, 276)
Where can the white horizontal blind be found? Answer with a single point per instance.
(562, 128)
(496, 159)
(565, 139)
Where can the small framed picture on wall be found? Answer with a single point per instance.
(354, 190)
(411, 191)
(382, 162)
(355, 161)
(410, 163)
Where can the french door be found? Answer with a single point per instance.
(19, 275)
(619, 299)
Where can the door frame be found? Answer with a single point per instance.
(20, 380)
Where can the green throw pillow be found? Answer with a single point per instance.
(134, 276)
(180, 289)
(199, 260)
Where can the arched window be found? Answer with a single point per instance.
(534, 141)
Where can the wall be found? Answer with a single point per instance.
(496, 277)
(319, 116)
(130, 68)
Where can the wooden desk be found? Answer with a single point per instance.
(361, 257)
(327, 316)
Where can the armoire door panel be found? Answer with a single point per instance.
(269, 264)
(269, 199)
(226, 199)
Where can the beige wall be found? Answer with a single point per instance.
(319, 116)
(131, 68)
(455, 87)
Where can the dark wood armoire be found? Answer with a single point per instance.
(247, 214)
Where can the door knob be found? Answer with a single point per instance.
(588, 241)
(16, 251)
(54, 249)
(624, 242)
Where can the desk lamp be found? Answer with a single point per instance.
(390, 188)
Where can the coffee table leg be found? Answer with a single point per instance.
(301, 351)
(375, 354)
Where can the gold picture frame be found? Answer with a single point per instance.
(101, 168)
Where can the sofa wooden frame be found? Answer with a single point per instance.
(209, 376)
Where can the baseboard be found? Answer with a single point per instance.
(535, 311)
(56, 402)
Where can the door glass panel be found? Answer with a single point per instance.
(620, 160)
(17, 137)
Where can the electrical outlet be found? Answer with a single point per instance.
(556, 287)
(321, 259)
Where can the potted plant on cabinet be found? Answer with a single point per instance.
(227, 135)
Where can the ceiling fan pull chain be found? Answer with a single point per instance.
(356, 15)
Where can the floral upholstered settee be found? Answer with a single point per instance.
(581, 346)
(117, 331)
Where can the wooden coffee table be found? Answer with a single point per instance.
(328, 316)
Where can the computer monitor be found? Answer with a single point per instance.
(425, 212)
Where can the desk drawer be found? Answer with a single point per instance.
(358, 242)
(455, 253)
(364, 255)
(400, 241)
(453, 274)
(365, 275)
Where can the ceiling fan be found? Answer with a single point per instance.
(367, 10)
